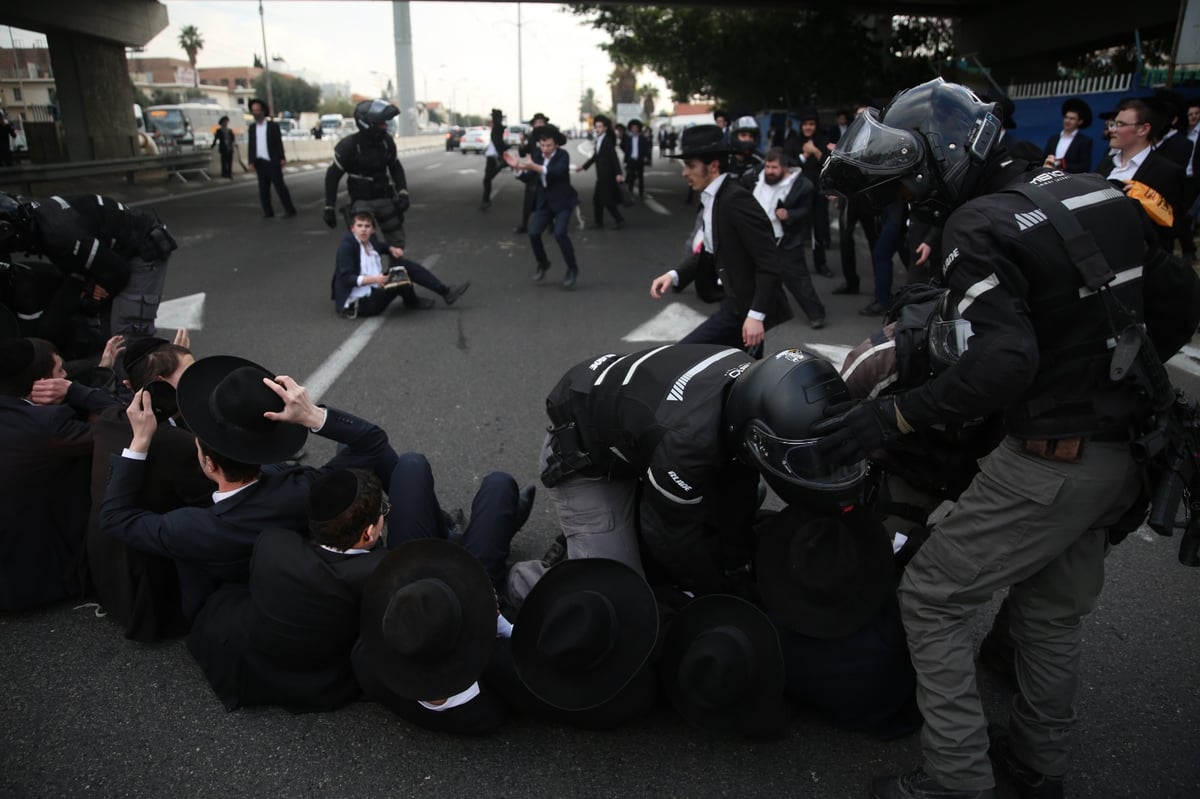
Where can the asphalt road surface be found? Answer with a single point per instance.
(85, 712)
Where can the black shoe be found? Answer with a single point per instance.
(916, 784)
(525, 504)
(874, 309)
(454, 292)
(455, 522)
(845, 288)
(269, 216)
(1030, 784)
(289, 214)
(486, 204)
(350, 311)
(556, 552)
(520, 229)
(620, 223)
(824, 271)
(541, 271)
(422, 304)
(817, 324)
(569, 280)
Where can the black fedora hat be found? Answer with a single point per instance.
(822, 576)
(1079, 106)
(722, 666)
(223, 399)
(549, 131)
(428, 619)
(584, 632)
(602, 119)
(701, 140)
(537, 116)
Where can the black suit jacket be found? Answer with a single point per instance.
(275, 152)
(45, 467)
(1079, 152)
(608, 166)
(558, 194)
(138, 590)
(744, 256)
(213, 545)
(286, 638)
(798, 202)
(643, 149)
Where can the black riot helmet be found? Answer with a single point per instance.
(746, 124)
(768, 421)
(16, 224)
(931, 140)
(369, 113)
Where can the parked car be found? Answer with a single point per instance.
(513, 133)
(475, 140)
(454, 136)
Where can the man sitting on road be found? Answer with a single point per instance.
(361, 287)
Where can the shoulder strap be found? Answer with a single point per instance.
(1081, 246)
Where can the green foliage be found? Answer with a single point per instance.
(1156, 52)
(336, 105)
(258, 64)
(165, 97)
(192, 43)
(290, 94)
(769, 57)
(588, 105)
(434, 117)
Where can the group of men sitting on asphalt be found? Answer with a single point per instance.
(307, 587)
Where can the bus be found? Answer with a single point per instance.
(192, 124)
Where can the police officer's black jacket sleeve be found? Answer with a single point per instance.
(1002, 357)
(396, 169)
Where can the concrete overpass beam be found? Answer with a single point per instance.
(132, 23)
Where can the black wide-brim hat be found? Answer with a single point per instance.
(721, 666)
(552, 131)
(222, 399)
(824, 577)
(428, 619)
(584, 632)
(702, 140)
(1080, 107)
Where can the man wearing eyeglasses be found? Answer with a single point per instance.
(1133, 158)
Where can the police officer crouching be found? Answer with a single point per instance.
(1047, 268)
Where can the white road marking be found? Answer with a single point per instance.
(670, 324)
(1187, 360)
(468, 171)
(182, 312)
(434, 165)
(332, 368)
(655, 206)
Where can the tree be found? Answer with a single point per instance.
(192, 43)
(289, 94)
(258, 63)
(648, 94)
(336, 105)
(622, 82)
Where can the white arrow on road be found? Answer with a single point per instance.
(183, 312)
(670, 324)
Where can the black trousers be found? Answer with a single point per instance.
(635, 175)
(226, 163)
(855, 211)
(494, 165)
(270, 173)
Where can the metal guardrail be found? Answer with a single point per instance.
(175, 165)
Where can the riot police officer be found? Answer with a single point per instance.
(108, 254)
(745, 162)
(1042, 309)
(377, 185)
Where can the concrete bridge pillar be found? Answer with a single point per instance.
(95, 96)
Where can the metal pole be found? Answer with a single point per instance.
(266, 61)
(405, 99)
(520, 72)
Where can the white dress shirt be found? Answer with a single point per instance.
(262, 152)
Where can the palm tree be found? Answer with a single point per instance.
(648, 94)
(622, 82)
(192, 43)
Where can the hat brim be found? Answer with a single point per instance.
(823, 614)
(746, 714)
(413, 678)
(196, 385)
(637, 628)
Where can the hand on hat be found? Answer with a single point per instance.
(142, 421)
(298, 408)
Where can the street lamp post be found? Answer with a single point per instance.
(266, 60)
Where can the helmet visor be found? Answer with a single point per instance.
(797, 462)
(870, 153)
(948, 339)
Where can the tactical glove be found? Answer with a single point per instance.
(330, 217)
(402, 201)
(852, 430)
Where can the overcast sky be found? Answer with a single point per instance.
(463, 53)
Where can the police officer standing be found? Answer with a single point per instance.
(377, 185)
(1035, 519)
